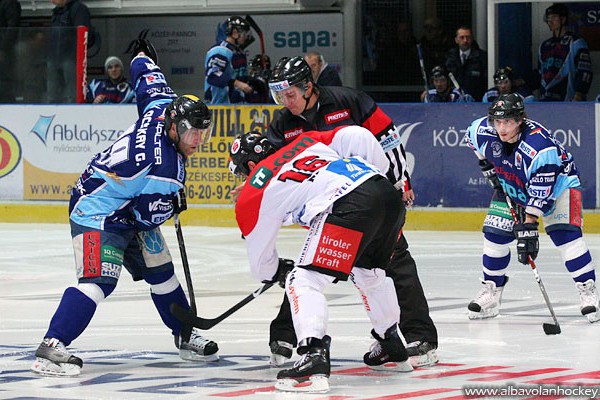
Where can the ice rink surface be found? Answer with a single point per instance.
(129, 354)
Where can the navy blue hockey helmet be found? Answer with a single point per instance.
(502, 74)
(507, 106)
(439, 71)
(251, 146)
(188, 112)
(556, 9)
(236, 22)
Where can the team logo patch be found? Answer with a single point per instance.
(337, 116)
(153, 242)
(260, 179)
(337, 248)
(235, 146)
(496, 149)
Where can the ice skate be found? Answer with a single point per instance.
(388, 354)
(588, 296)
(53, 359)
(311, 373)
(488, 300)
(198, 348)
(421, 354)
(281, 352)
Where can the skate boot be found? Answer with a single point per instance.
(311, 373)
(281, 352)
(487, 302)
(198, 348)
(421, 354)
(52, 358)
(388, 354)
(588, 296)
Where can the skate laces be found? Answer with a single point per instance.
(376, 349)
(198, 341)
(56, 345)
(486, 294)
(587, 292)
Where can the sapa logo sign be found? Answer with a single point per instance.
(305, 39)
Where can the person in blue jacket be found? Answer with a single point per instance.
(113, 89)
(523, 160)
(226, 65)
(117, 206)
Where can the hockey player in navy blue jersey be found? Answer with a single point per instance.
(443, 91)
(226, 65)
(564, 60)
(522, 159)
(117, 206)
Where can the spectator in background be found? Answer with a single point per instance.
(226, 65)
(435, 43)
(259, 72)
(504, 83)
(468, 63)
(443, 91)
(10, 17)
(323, 73)
(564, 62)
(115, 89)
(61, 58)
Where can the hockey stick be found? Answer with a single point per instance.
(206, 323)
(186, 330)
(422, 64)
(549, 329)
(259, 32)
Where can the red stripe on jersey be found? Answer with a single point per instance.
(91, 254)
(575, 208)
(248, 205)
(379, 123)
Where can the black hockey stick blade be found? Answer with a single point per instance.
(551, 329)
(189, 318)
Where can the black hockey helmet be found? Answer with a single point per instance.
(251, 146)
(556, 9)
(507, 106)
(439, 71)
(188, 112)
(502, 74)
(236, 22)
(292, 72)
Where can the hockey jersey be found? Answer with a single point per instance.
(120, 92)
(224, 63)
(130, 185)
(341, 106)
(534, 171)
(300, 181)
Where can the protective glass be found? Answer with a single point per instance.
(277, 89)
(192, 136)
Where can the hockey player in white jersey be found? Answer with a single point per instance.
(332, 183)
(522, 158)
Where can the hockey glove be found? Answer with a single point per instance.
(487, 168)
(179, 202)
(144, 45)
(284, 268)
(528, 243)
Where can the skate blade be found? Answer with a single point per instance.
(48, 368)
(424, 360)
(402, 366)
(314, 384)
(483, 314)
(593, 316)
(189, 355)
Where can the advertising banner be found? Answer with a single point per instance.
(445, 172)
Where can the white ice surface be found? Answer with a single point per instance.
(129, 354)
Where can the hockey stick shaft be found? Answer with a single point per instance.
(422, 65)
(257, 29)
(207, 323)
(184, 261)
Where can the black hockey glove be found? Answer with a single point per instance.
(179, 202)
(528, 243)
(487, 168)
(284, 268)
(142, 45)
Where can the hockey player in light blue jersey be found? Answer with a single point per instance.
(226, 65)
(522, 159)
(117, 206)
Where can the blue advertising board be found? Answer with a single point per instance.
(445, 172)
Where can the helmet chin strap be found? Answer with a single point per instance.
(307, 100)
